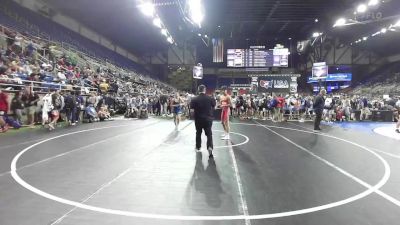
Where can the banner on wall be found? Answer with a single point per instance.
(277, 84)
(332, 77)
(254, 85)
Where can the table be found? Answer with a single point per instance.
(382, 115)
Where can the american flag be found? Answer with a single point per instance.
(218, 50)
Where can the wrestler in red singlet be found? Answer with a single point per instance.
(225, 106)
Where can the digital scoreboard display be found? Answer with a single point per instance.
(257, 57)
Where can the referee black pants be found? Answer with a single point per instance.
(318, 118)
(206, 126)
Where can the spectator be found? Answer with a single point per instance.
(17, 106)
(3, 111)
(56, 99)
(104, 86)
(70, 108)
(30, 100)
(279, 106)
(47, 107)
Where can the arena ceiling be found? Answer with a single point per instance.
(239, 22)
(268, 20)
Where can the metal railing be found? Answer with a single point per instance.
(66, 47)
(41, 87)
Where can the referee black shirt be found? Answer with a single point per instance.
(319, 103)
(203, 106)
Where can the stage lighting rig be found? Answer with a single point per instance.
(340, 22)
(147, 7)
(157, 22)
(193, 12)
(164, 32)
(373, 2)
(362, 8)
(316, 34)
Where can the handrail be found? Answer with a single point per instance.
(74, 49)
(31, 84)
(48, 41)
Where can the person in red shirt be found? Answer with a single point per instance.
(3, 111)
(279, 106)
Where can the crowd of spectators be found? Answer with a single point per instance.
(280, 107)
(380, 85)
(49, 83)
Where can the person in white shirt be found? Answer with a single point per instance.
(47, 106)
(347, 108)
(327, 109)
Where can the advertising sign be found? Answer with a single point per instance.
(254, 85)
(320, 70)
(332, 77)
(198, 72)
(274, 84)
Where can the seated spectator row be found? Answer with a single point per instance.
(36, 76)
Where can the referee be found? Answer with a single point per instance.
(319, 104)
(203, 107)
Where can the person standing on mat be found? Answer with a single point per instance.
(319, 104)
(176, 104)
(203, 107)
(3, 111)
(226, 103)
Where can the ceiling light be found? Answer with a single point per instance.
(316, 20)
(196, 11)
(340, 22)
(157, 22)
(205, 36)
(290, 38)
(365, 38)
(362, 8)
(373, 2)
(383, 30)
(164, 32)
(379, 32)
(316, 34)
(397, 24)
(219, 26)
(170, 40)
(147, 8)
(199, 34)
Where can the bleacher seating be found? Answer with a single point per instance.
(25, 21)
(384, 81)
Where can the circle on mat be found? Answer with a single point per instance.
(246, 140)
(192, 142)
(35, 190)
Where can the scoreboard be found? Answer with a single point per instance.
(257, 57)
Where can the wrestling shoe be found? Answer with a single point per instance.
(226, 137)
(210, 152)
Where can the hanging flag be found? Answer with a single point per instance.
(218, 50)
